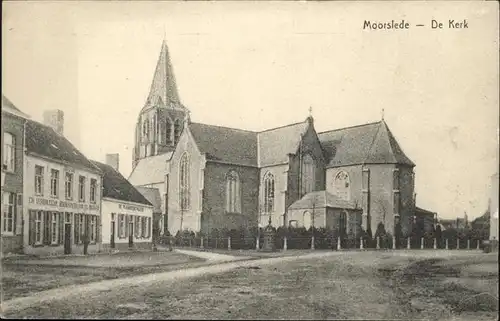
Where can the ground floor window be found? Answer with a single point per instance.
(8, 213)
(137, 227)
(55, 228)
(39, 227)
(121, 225)
(93, 228)
(143, 227)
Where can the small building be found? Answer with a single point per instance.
(61, 194)
(494, 208)
(126, 214)
(425, 219)
(322, 209)
(13, 121)
(152, 194)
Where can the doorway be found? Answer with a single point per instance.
(67, 238)
(131, 235)
(112, 234)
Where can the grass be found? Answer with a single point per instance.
(26, 276)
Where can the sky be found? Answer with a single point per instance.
(259, 65)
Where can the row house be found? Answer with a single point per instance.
(127, 216)
(13, 122)
(62, 193)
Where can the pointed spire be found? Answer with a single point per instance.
(163, 89)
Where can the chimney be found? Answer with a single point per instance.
(113, 160)
(55, 119)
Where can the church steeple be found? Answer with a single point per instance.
(161, 119)
(163, 91)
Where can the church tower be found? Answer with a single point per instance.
(162, 117)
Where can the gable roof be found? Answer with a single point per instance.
(152, 194)
(43, 140)
(9, 107)
(321, 199)
(275, 144)
(234, 146)
(364, 144)
(150, 170)
(117, 187)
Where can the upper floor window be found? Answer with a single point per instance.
(177, 130)
(93, 190)
(168, 131)
(308, 174)
(184, 182)
(8, 213)
(233, 201)
(68, 186)
(365, 179)
(342, 185)
(9, 152)
(268, 193)
(81, 188)
(54, 182)
(395, 177)
(38, 180)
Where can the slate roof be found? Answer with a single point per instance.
(150, 170)
(229, 145)
(43, 140)
(421, 211)
(163, 91)
(275, 144)
(8, 106)
(321, 199)
(152, 194)
(117, 187)
(364, 144)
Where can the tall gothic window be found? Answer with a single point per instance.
(268, 193)
(307, 221)
(168, 131)
(308, 171)
(184, 181)
(233, 200)
(342, 186)
(177, 130)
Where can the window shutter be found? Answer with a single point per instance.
(32, 229)
(61, 227)
(98, 229)
(76, 236)
(47, 227)
(126, 225)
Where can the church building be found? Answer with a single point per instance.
(217, 177)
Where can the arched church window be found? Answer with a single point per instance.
(342, 185)
(307, 220)
(177, 130)
(168, 131)
(233, 200)
(268, 193)
(184, 182)
(308, 171)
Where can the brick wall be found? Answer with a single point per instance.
(214, 197)
(14, 182)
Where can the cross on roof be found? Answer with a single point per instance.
(310, 110)
(382, 113)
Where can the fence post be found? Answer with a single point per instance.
(201, 242)
(435, 244)
(285, 244)
(408, 243)
(361, 243)
(312, 242)
(257, 245)
(447, 244)
(378, 242)
(421, 243)
(339, 246)
(393, 242)
(458, 243)
(229, 243)
(478, 243)
(190, 243)
(468, 244)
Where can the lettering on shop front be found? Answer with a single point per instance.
(65, 204)
(131, 207)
